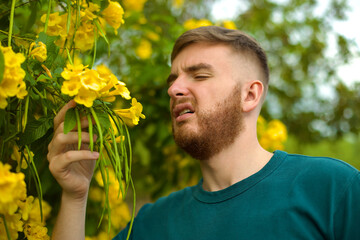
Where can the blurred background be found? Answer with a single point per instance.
(313, 102)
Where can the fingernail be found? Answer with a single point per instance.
(95, 154)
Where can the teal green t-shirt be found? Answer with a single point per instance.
(292, 197)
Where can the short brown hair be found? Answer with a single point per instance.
(238, 40)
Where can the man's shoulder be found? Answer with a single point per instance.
(316, 163)
(321, 170)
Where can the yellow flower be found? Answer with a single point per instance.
(90, 10)
(3, 102)
(193, 23)
(91, 80)
(17, 157)
(12, 189)
(39, 52)
(30, 210)
(113, 15)
(73, 72)
(56, 24)
(84, 36)
(131, 115)
(121, 90)
(85, 97)
(12, 83)
(70, 88)
(134, 5)
(35, 231)
(144, 49)
(229, 24)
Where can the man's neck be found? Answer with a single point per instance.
(235, 163)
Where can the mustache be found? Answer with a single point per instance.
(183, 100)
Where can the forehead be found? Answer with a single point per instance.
(203, 53)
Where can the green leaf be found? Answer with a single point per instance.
(70, 120)
(2, 66)
(35, 129)
(103, 119)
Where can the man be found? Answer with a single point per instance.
(218, 82)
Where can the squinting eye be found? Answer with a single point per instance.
(201, 77)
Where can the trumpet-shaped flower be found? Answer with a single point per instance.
(91, 80)
(70, 88)
(131, 116)
(38, 51)
(85, 97)
(113, 15)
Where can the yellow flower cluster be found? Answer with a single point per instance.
(194, 23)
(84, 36)
(272, 135)
(12, 83)
(89, 84)
(38, 51)
(20, 212)
(131, 116)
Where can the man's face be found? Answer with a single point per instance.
(205, 99)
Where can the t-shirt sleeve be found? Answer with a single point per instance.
(347, 215)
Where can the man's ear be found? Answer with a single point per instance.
(252, 94)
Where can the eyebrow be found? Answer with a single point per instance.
(191, 69)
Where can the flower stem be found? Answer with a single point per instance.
(133, 211)
(90, 132)
(78, 127)
(6, 227)
(11, 21)
(47, 16)
(98, 125)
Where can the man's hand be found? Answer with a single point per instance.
(72, 168)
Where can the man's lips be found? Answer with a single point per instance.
(182, 111)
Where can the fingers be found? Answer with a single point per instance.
(60, 142)
(83, 121)
(61, 114)
(63, 161)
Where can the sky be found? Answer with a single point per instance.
(227, 9)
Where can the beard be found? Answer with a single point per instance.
(217, 129)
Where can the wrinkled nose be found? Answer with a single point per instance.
(178, 88)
